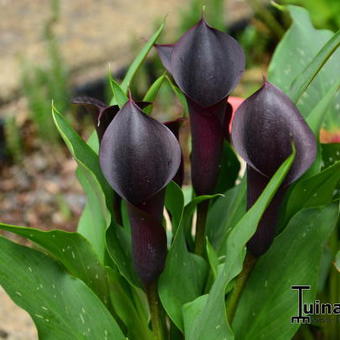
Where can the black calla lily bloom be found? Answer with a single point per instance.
(139, 157)
(263, 130)
(102, 115)
(174, 126)
(206, 64)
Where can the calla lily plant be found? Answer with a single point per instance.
(160, 255)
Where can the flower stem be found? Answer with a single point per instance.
(202, 211)
(240, 283)
(155, 312)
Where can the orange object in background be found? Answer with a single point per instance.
(329, 136)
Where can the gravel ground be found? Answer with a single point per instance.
(90, 32)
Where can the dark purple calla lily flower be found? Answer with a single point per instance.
(206, 64)
(139, 157)
(263, 130)
(102, 115)
(174, 126)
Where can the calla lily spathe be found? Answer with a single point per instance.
(206, 64)
(139, 156)
(264, 128)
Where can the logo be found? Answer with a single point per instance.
(307, 310)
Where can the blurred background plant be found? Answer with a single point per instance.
(325, 13)
(13, 139)
(43, 83)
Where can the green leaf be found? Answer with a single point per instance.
(96, 217)
(73, 251)
(267, 302)
(292, 60)
(330, 153)
(119, 97)
(123, 304)
(337, 261)
(140, 59)
(211, 323)
(179, 95)
(152, 92)
(99, 194)
(118, 244)
(184, 275)
(224, 214)
(212, 258)
(93, 142)
(62, 307)
(91, 227)
(192, 311)
(229, 169)
(296, 50)
(82, 153)
(312, 192)
(316, 117)
(301, 83)
(174, 202)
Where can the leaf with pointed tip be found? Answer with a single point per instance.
(206, 64)
(179, 95)
(82, 153)
(296, 50)
(61, 306)
(139, 156)
(119, 97)
(267, 302)
(300, 44)
(311, 71)
(184, 274)
(211, 321)
(99, 193)
(152, 92)
(135, 65)
(264, 128)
